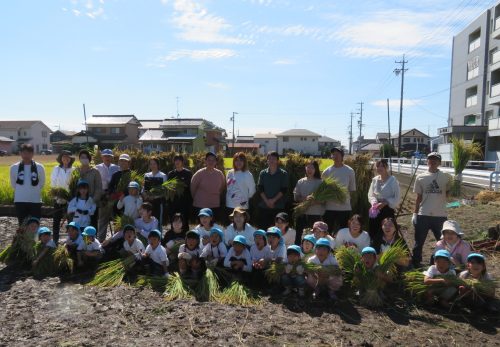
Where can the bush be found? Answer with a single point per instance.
(363, 170)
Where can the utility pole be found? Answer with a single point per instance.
(360, 122)
(350, 135)
(177, 101)
(401, 71)
(86, 129)
(232, 119)
(389, 136)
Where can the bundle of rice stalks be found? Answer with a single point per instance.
(59, 193)
(22, 250)
(177, 289)
(111, 273)
(73, 181)
(6, 254)
(480, 289)
(208, 288)
(156, 283)
(122, 220)
(169, 189)
(63, 260)
(321, 270)
(414, 283)
(238, 294)
(274, 272)
(45, 265)
(347, 258)
(329, 190)
(126, 178)
(392, 256)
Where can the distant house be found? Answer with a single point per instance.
(182, 135)
(83, 138)
(34, 132)
(361, 142)
(243, 147)
(298, 140)
(382, 138)
(412, 140)
(149, 124)
(6, 144)
(114, 130)
(371, 148)
(326, 143)
(62, 139)
(267, 142)
(243, 139)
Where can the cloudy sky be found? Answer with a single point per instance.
(280, 64)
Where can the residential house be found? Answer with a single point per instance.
(114, 130)
(267, 142)
(6, 144)
(154, 140)
(382, 138)
(325, 144)
(371, 148)
(84, 138)
(298, 140)
(62, 139)
(361, 142)
(34, 132)
(243, 147)
(412, 140)
(244, 139)
(147, 124)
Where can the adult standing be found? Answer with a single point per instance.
(207, 186)
(152, 179)
(90, 174)
(273, 187)
(431, 188)
(384, 196)
(337, 214)
(60, 178)
(240, 184)
(106, 170)
(303, 190)
(115, 185)
(27, 178)
(182, 203)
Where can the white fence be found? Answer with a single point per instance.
(487, 174)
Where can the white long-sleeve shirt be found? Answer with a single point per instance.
(131, 205)
(240, 188)
(82, 205)
(245, 256)
(145, 228)
(258, 254)
(60, 177)
(231, 232)
(218, 251)
(106, 172)
(26, 192)
(387, 191)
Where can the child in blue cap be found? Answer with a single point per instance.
(238, 258)
(294, 276)
(276, 244)
(155, 255)
(308, 243)
(189, 255)
(435, 275)
(207, 222)
(82, 206)
(476, 270)
(132, 202)
(90, 251)
(317, 281)
(47, 244)
(260, 252)
(74, 239)
(215, 250)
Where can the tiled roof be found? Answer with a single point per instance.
(14, 124)
(153, 135)
(327, 139)
(243, 145)
(112, 120)
(265, 136)
(181, 122)
(6, 139)
(298, 132)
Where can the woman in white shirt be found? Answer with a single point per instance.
(353, 236)
(384, 196)
(61, 175)
(240, 184)
(152, 179)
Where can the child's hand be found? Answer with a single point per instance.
(288, 268)
(299, 269)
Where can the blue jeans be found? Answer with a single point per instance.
(295, 281)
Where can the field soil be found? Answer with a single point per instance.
(55, 312)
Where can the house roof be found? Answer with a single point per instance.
(243, 145)
(404, 132)
(112, 120)
(6, 139)
(372, 147)
(265, 136)
(153, 135)
(15, 124)
(181, 123)
(298, 132)
(150, 123)
(327, 139)
(382, 135)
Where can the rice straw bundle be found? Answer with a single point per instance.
(392, 256)
(21, 251)
(122, 220)
(238, 294)
(63, 260)
(414, 282)
(73, 181)
(208, 288)
(177, 289)
(322, 270)
(45, 266)
(274, 272)
(111, 273)
(480, 289)
(329, 190)
(59, 193)
(169, 189)
(156, 283)
(347, 258)
(6, 254)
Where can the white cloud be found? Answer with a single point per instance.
(197, 25)
(284, 62)
(217, 85)
(202, 54)
(92, 9)
(394, 103)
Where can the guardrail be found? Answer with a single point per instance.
(486, 176)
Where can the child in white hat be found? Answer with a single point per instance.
(451, 240)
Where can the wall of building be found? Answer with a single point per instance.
(299, 144)
(267, 145)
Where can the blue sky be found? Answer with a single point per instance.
(280, 64)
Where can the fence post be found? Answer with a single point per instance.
(399, 165)
(497, 165)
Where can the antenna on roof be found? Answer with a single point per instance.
(177, 100)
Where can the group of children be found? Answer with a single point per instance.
(247, 253)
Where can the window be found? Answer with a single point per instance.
(25, 133)
(489, 114)
(414, 139)
(44, 134)
(406, 139)
(471, 97)
(285, 138)
(267, 141)
(11, 137)
(313, 140)
(473, 68)
(44, 146)
(470, 119)
(115, 130)
(475, 40)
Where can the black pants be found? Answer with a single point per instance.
(267, 217)
(336, 220)
(158, 207)
(27, 209)
(424, 224)
(94, 219)
(304, 221)
(59, 212)
(375, 226)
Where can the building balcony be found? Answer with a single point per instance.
(495, 61)
(496, 29)
(494, 127)
(494, 94)
(476, 131)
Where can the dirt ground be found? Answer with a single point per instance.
(52, 312)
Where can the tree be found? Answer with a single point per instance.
(462, 153)
(387, 150)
